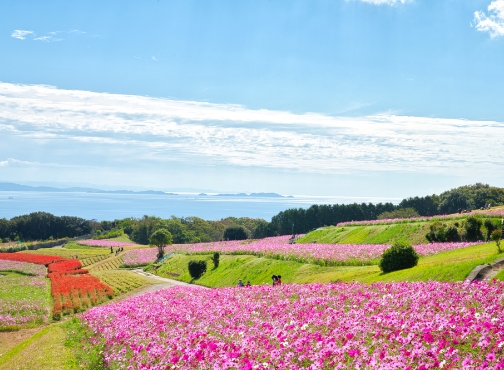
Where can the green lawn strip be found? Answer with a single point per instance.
(413, 233)
(448, 266)
(44, 350)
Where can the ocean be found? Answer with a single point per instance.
(102, 206)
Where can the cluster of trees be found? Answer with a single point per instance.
(188, 229)
(471, 229)
(43, 226)
(467, 197)
(300, 220)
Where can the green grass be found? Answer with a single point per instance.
(123, 281)
(111, 264)
(500, 276)
(44, 350)
(448, 266)
(413, 233)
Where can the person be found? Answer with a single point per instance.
(248, 284)
(274, 278)
(111, 250)
(240, 283)
(279, 280)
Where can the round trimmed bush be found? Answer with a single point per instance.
(398, 257)
(197, 268)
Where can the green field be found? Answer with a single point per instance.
(111, 264)
(413, 233)
(448, 266)
(123, 281)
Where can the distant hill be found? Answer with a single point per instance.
(8, 186)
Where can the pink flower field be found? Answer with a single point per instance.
(139, 257)
(279, 247)
(105, 243)
(489, 213)
(23, 267)
(33, 309)
(336, 326)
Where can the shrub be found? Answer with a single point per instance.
(235, 233)
(197, 268)
(440, 233)
(398, 257)
(490, 226)
(215, 259)
(473, 228)
(496, 237)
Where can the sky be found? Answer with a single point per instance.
(332, 97)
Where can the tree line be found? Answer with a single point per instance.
(43, 226)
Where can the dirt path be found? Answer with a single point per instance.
(162, 283)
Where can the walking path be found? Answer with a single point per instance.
(164, 283)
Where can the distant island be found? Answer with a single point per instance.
(8, 186)
(257, 195)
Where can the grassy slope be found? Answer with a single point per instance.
(448, 266)
(377, 234)
(123, 281)
(44, 350)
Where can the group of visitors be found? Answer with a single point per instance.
(118, 250)
(240, 284)
(277, 280)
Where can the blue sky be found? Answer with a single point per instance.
(340, 97)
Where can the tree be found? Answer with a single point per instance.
(235, 233)
(160, 239)
(496, 237)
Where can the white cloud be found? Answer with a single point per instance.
(154, 131)
(493, 22)
(154, 58)
(47, 39)
(21, 34)
(385, 2)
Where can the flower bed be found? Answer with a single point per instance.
(491, 214)
(31, 258)
(105, 243)
(335, 326)
(24, 300)
(72, 288)
(75, 292)
(23, 267)
(140, 257)
(279, 248)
